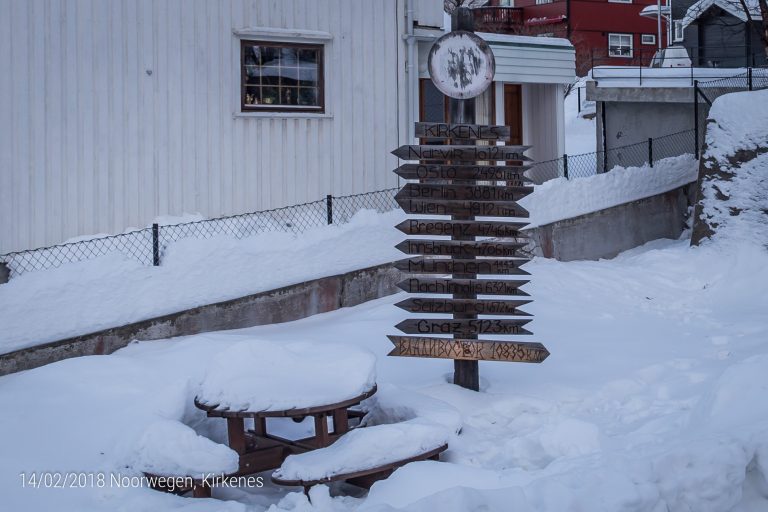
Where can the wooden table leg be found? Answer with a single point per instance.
(321, 430)
(201, 491)
(260, 426)
(340, 421)
(236, 434)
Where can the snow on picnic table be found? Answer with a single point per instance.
(85, 297)
(653, 400)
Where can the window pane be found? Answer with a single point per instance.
(286, 76)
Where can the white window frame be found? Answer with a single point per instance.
(506, 3)
(621, 35)
(620, 1)
(648, 39)
(541, 2)
(679, 30)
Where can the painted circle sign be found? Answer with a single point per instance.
(461, 65)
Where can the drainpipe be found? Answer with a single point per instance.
(658, 22)
(411, 70)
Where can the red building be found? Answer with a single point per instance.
(604, 32)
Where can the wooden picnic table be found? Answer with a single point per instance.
(260, 450)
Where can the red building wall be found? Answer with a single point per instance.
(587, 24)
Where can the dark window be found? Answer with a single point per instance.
(281, 77)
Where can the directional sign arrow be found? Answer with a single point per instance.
(468, 153)
(460, 248)
(464, 208)
(463, 306)
(512, 174)
(461, 131)
(458, 266)
(465, 192)
(473, 350)
(463, 286)
(463, 326)
(496, 229)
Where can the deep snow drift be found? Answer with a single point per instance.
(85, 297)
(653, 400)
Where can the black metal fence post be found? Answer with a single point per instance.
(155, 245)
(749, 78)
(5, 272)
(329, 208)
(696, 118)
(578, 92)
(650, 151)
(565, 166)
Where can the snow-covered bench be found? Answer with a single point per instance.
(364, 455)
(176, 459)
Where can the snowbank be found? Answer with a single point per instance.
(733, 198)
(563, 199)
(258, 375)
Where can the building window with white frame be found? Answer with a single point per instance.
(648, 39)
(679, 31)
(620, 1)
(540, 2)
(281, 77)
(620, 45)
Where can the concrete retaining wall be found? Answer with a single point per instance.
(282, 305)
(596, 235)
(606, 233)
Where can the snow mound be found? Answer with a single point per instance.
(170, 448)
(733, 182)
(393, 404)
(365, 448)
(259, 375)
(561, 198)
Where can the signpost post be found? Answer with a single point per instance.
(462, 66)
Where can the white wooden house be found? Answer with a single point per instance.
(114, 112)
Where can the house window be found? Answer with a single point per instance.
(620, 1)
(539, 2)
(506, 3)
(620, 45)
(648, 39)
(679, 29)
(281, 77)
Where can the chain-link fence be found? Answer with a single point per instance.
(705, 92)
(148, 246)
(631, 155)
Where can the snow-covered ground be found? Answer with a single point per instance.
(88, 296)
(653, 400)
(580, 130)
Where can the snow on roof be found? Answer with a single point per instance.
(733, 7)
(526, 40)
(651, 10)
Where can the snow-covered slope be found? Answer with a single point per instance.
(733, 178)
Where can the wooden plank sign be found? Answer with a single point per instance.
(458, 152)
(464, 172)
(468, 349)
(460, 248)
(463, 326)
(468, 192)
(457, 266)
(464, 306)
(463, 286)
(463, 208)
(462, 131)
(461, 228)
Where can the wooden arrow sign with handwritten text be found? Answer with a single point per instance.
(467, 192)
(463, 349)
(464, 208)
(463, 326)
(462, 131)
(457, 266)
(463, 286)
(466, 153)
(513, 174)
(464, 306)
(461, 228)
(460, 248)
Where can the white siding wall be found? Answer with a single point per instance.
(90, 142)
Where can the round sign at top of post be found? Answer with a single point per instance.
(461, 65)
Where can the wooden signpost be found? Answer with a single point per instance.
(462, 180)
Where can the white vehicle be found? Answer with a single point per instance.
(671, 57)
